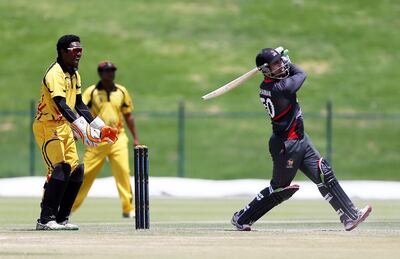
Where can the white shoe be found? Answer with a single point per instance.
(51, 225)
(69, 226)
(362, 215)
(129, 215)
(234, 221)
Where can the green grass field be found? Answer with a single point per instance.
(190, 228)
(168, 50)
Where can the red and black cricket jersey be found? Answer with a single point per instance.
(279, 99)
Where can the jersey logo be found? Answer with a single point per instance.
(68, 82)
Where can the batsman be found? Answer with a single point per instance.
(60, 111)
(291, 148)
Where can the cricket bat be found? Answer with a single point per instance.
(231, 85)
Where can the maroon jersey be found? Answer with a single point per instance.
(279, 99)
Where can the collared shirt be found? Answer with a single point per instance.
(108, 105)
(57, 81)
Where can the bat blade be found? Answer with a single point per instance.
(231, 85)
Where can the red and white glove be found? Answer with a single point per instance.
(107, 134)
(89, 135)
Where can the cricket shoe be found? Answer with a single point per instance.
(51, 225)
(129, 215)
(362, 215)
(69, 226)
(234, 221)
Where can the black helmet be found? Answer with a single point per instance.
(269, 56)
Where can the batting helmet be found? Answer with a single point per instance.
(268, 56)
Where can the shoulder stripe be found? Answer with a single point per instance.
(45, 74)
(123, 93)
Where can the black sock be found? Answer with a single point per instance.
(53, 193)
(73, 186)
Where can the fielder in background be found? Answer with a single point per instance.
(60, 95)
(291, 148)
(112, 103)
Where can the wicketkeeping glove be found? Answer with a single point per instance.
(107, 134)
(89, 135)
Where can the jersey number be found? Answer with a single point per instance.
(269, 106)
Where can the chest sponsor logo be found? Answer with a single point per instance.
(68, 83)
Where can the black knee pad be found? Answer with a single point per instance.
(326, 172)
(77, 174)
(61, 172)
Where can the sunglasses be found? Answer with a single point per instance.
(75, 50)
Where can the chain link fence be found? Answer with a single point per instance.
(227, 145)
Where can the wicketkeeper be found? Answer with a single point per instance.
(291, 148)
(60, 99)
(112, 103)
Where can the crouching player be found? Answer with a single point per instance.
(60, 95)
(291, 148)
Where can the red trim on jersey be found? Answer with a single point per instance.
(267, 80)
(41, 107)
(59, 115)
(292, 132)
(277, 117)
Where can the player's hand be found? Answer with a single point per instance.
(89, 135)
(136, 142)
(109, 134)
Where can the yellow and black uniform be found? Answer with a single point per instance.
(110, 107)
(60, 98)
(51, 129)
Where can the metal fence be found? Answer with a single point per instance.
(190, 144)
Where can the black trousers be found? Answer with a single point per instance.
(290, 155)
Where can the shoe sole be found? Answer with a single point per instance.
(44, 228)
(248, 228)
(363, 217)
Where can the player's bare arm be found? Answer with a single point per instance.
(130, 122)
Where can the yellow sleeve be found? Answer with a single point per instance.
(78, 83)
(127, 106)
(87, 95)
(55, 83)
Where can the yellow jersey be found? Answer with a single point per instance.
(109, 106)
(57, 81)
